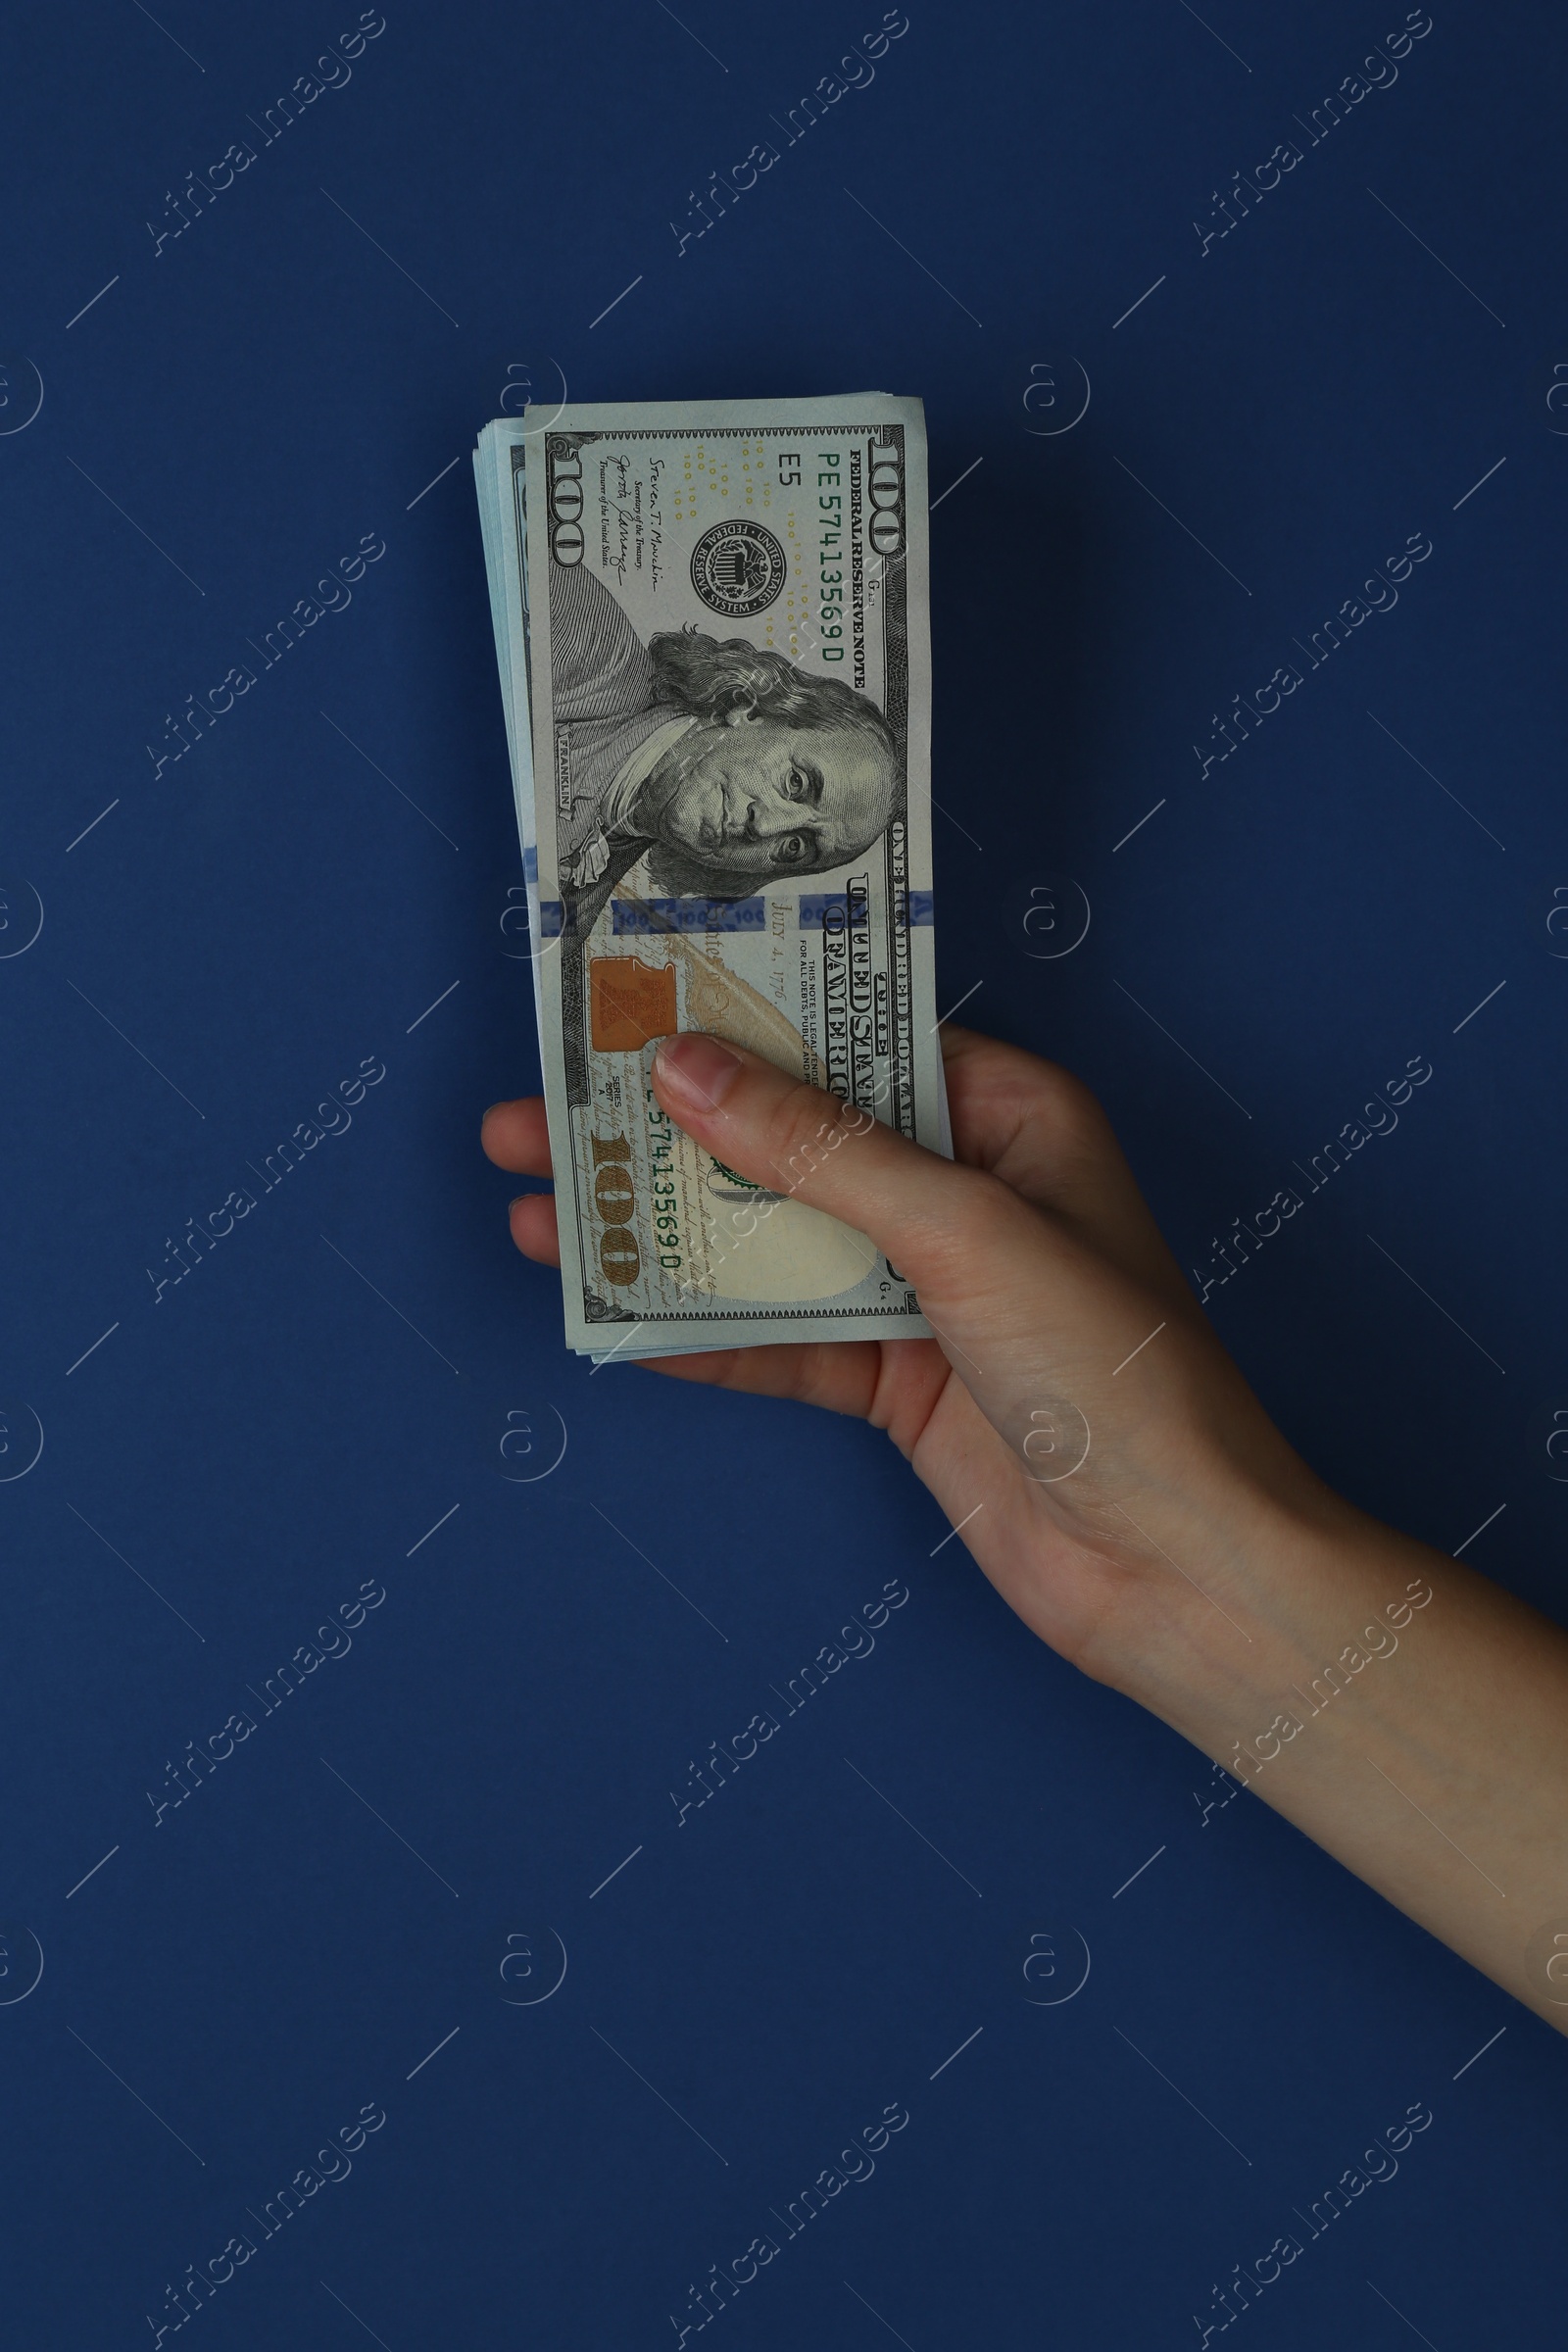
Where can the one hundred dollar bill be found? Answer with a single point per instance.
(711, 623)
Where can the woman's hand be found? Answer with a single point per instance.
(1122, 1488)
(1037, 1261)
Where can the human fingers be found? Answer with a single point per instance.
(894, 1384)
(1043, 1133)
(532, 1218)
(514, 1135)
(842, 1378)
(919, 1209)
(1025, 1119)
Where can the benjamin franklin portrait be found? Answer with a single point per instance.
(723, 762)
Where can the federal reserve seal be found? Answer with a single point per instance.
(738, 568)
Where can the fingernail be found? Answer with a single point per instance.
(697, 1069)
(501, 1105)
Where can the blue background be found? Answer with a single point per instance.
(225, 940)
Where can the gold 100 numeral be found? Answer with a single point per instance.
(621, 1257)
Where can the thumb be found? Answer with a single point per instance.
(1030, 1315)
(928, 1215)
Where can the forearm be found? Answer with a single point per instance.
(1405, 1713)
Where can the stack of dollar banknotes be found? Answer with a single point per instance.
(713, 630)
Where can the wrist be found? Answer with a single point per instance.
(1247, 1601)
